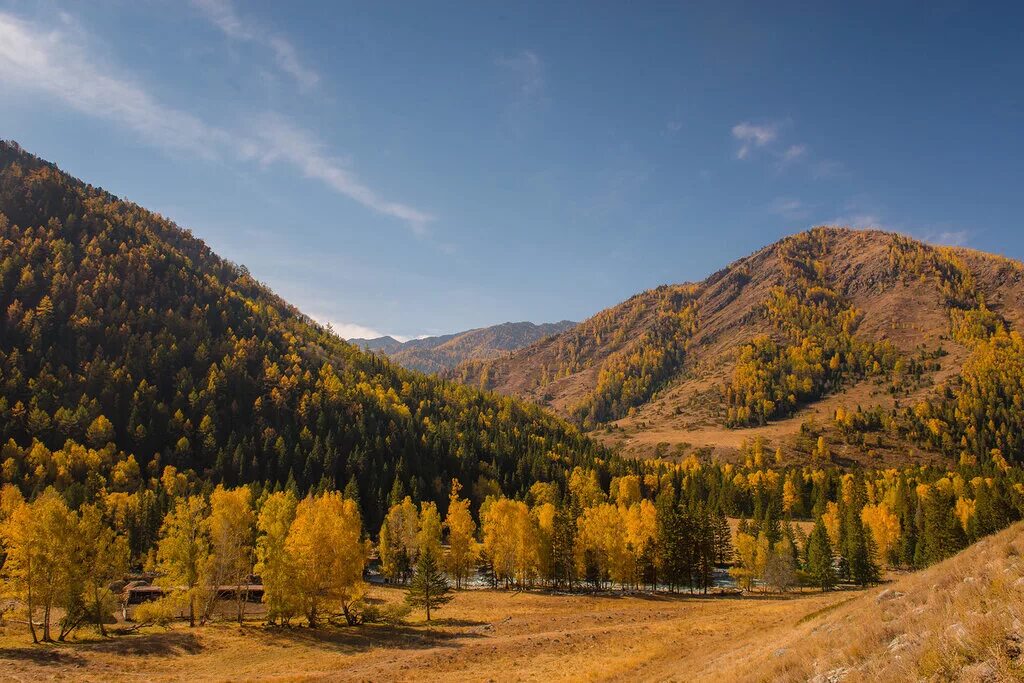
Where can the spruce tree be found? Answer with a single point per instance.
(429, 587)
(819, 557)
(723, 539)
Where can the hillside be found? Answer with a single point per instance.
(958, 620)
(864, 322)
(126, 346)
(435, 354)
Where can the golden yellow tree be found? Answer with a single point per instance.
(463, 548)
(231, 527)
(641, 520)
(183, 551)
(397, 546)
(601, 544)
(751, 558)
(428, 535)
(884, 526)
(273, 564)
(510, 540)
(39, 538)
(103, 558)
(325, 545)
(544, 522)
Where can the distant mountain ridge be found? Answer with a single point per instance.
(436, 354)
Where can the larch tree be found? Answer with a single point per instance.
(273, 564)
(37, 537)
(428, 535)
(183, 551)
(231, 527)
(397, 546)
(601, 545)
(463, 548)
(103, 558)
(326, 547)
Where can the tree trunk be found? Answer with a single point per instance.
(191, 610)
(31, 615)
(46, 624)
(242, 598)
(99, 612)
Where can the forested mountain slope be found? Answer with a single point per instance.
(910, 344)
(434, 354)
(127, 345)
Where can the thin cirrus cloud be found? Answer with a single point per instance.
(222, 14)
(752, 136)
(528, 69)
(56, 63)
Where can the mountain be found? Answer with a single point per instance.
(376, 344)
(126, 345)
(435, 354)
(911, 345)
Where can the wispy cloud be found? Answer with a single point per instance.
(792, 153)
(57, 63)
(280, 141)
(528, 69)
(789, 208)
(768, 140)
(53, 62)
(949, 238)
(752, 136)
(222, 14)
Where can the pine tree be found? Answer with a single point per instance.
(723, 539)
(429, 587)
(819, 557)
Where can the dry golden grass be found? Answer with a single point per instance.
(960, 620)
(481, 635)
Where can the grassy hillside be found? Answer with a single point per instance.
(435, 354)
(126, 346)
(868, 322)
(957, 620)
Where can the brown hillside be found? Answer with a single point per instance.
(896, 289)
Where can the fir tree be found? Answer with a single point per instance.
(429, 587)
(819, 557)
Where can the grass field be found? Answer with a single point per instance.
(481, 635)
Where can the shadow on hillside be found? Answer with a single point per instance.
(42, 655)
(352, 639)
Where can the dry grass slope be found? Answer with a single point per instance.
(962, 619)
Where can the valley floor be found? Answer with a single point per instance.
(481, 635)
(962, 619)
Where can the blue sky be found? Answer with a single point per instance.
(420, 168)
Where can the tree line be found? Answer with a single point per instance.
(667, 528)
